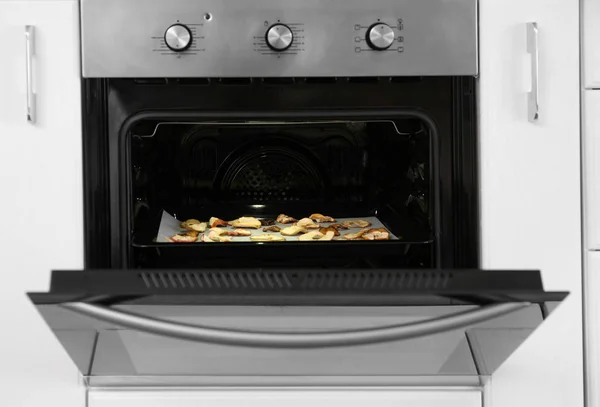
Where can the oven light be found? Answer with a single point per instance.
(258, 206)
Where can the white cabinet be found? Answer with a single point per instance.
(42, 196)
(530, 187)
(591, 43)
(591, 222)
(591, 148)
(591, 184)
(592, 264)
(355, 397)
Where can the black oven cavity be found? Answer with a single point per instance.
(400, 150)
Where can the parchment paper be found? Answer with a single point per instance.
(169, 226)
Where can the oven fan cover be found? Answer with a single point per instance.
(271, 172)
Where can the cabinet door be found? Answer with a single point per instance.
(591, 43)
(355, 397)
(530, 187)
(591, 148)
(41, 204)
(592, 265)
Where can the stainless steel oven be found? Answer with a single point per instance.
(213, 111)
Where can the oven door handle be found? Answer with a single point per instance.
(265, 339)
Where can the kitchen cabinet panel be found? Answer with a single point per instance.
(355, 397)
(591, 172)
(592, 264)
(591, 43)
(41, 204)
(530, 187)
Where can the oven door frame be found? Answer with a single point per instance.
(112, 106)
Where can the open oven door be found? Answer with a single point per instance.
(292, 327)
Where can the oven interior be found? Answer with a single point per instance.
(342, 168)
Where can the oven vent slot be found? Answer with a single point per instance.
(406, 79)
(280, 81)
(150, 81)
(323, 79)
(193, 81)
(353, 280)
(234, 81)
(365, 79)
(295, 280)
(210, 280)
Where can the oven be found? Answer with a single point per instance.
(204, 122)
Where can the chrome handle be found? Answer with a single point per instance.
(29, 53)
(264, 339)
(533, 102)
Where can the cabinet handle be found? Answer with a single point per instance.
(533, 103)
(263, 339)
(29, 53)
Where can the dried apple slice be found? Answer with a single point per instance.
(215, 234)
(293, 230)
(239, 232)
(194, 224)
(246, 222)
(328, 236)
(330, 229)
(307, 223)
(214, 237)
(319, 218)
(311, 236)
(356, 223)
(376, 234)
(215, 222)
(272, 228)
(285, 219)
(267, 238)
(355, 236)
(184, 238)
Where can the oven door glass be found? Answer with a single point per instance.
(301, 327)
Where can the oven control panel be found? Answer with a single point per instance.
(278, 38)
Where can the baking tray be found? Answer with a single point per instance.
(148, 250)
(170, 226)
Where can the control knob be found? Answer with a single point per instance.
(279, 37)
(178, 37)
(380, 36)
